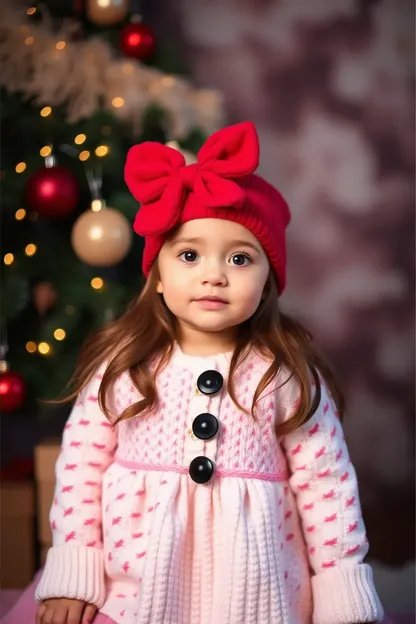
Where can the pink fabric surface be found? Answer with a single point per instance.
(8, 597)
(19, 607)
(24, 610)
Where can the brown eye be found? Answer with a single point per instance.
(188, 256)
(240, 259)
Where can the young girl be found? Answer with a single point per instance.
(204, 477)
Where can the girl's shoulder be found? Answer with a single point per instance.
(284, 386)
(284, 379)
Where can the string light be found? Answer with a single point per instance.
(45, 151)
(167, 81)
(44, 348)
(31, 11)
(20, 167)
(8, 259)
(60, 45)
(29, 40)
(84, 155)
(117, 102)
(96, 205)
(102, 150)
(59, 334)
(80, 139)
(31, 347)
(20, 214)
(46, 110)
(97, 283)
(30, 249)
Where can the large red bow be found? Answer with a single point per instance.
(159, 178)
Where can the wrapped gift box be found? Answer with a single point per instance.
(46, 455)
(17, 549)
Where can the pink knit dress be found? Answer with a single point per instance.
(265, 531)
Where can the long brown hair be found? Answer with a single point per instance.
(148, 328)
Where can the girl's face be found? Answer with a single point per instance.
(212, 275)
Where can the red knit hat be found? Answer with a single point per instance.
(220, 186)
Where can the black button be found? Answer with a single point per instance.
(205, 426)
(201, 469)
(210, 382)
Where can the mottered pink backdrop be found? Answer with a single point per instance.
(330, 86)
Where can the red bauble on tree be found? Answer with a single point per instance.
(52, 192)
(12, 391)
(137, 41)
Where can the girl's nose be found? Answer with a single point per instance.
(214, 275)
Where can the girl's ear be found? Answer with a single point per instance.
(159, 287)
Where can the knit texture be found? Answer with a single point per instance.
(237, 550)
(77, 571)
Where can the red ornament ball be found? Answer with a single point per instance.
(137, 41)
(12, 391)
(52, 192)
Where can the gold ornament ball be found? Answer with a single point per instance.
(102, 238)
(190, 158)
(107, 12)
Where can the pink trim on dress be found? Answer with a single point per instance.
(220, 472)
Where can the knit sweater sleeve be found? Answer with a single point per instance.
(75, 566)
(324, 483)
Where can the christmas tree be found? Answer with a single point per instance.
(80, 85)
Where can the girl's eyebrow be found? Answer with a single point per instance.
(187, 241)
(233, 243)
(244, 243)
